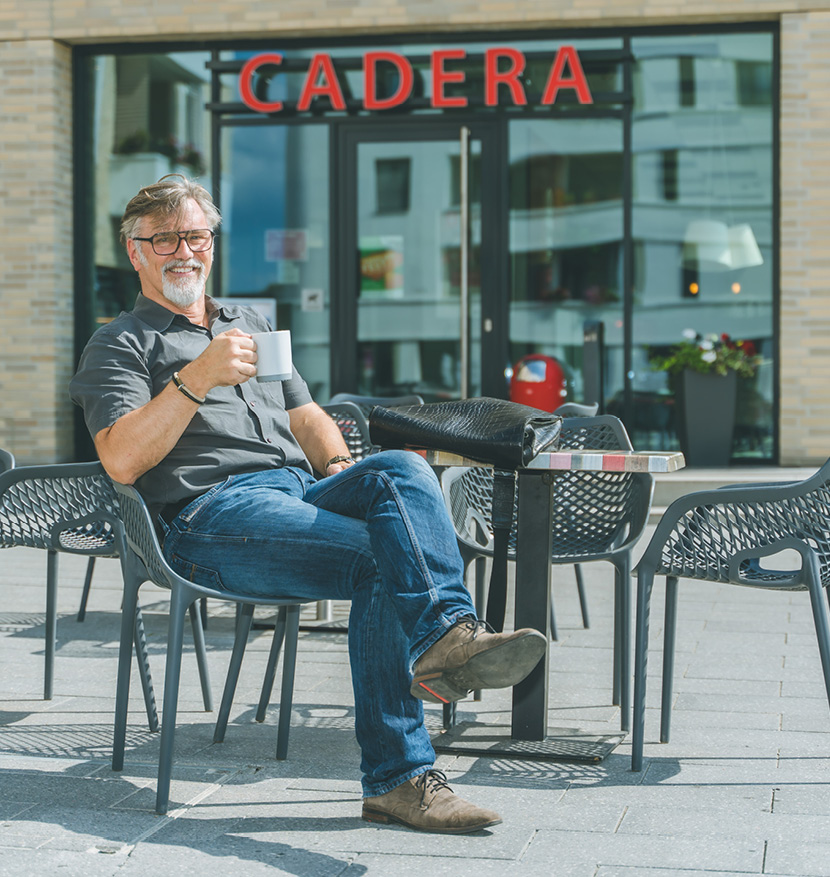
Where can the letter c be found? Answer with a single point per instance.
(246, 78)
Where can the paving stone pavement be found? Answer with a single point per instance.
(742, 788)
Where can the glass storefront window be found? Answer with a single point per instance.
(702, 163)
(683, 164)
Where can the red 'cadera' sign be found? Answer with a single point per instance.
(503, 68)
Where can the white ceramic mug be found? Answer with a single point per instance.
(273, 350)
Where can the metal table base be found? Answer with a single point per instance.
(561, 744)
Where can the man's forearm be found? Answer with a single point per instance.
(140, 440)
(143, 438)
(318, 436)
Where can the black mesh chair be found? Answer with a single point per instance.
(69, 508)
(575, 409)
(596, 516)
(731, 535)
(353, 426)
(142, 560)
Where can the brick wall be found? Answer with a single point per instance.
(97, 20)
(805, 232)
(36, 249)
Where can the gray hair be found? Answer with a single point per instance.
(164, 200)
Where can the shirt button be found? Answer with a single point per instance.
(252, 404)
(270, 442)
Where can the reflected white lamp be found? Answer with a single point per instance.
(743, 247)
(706, 245)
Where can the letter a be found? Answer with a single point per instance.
(576, 81)
(329, 86)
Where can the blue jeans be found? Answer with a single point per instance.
(377, 534)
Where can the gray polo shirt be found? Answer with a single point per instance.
(239, 429)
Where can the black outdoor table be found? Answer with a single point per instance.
(529, 735)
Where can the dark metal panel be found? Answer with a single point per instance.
(83, 213)
(628, 246)
(532, 598)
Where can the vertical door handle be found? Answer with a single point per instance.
(464, 297)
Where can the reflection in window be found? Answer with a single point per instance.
(754, 83)
(392, 177)
(686, 80)
(566, 240)
(149, 120)
(702, 221)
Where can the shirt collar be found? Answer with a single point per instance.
(159, 317)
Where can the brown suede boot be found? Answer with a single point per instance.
(468, 658)
(427, 803)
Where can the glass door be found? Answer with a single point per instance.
(417, 230)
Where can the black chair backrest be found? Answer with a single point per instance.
(66, 507)
(575, 409)
(141, 536)
(353, 426)
(704, 535)
(593, 510)
(6, 460)
(367, 403)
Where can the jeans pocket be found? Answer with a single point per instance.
(191, 513)
(199, 575)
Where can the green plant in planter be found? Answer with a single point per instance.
(709, 354)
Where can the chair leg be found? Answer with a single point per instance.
(179, 602)
(129, 608)
(622, 649)
(449, 716)
(90, 568)
(144, 671)
(271, 668)
(554, 632)
(820, 618)
(580, 590)
(481, 607)
(243, 628)
(669, 640)
(645, 583)
(480, 599)
(51, 621)
(618, 635)
(201, 656)
(203, 612)
(289, 664)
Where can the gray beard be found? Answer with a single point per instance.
(182, 292)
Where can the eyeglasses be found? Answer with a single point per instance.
(165, 243)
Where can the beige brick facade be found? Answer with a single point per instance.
(36, 174)
(36, 355)
(805, 231)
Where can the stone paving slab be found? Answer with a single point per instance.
(565, 849)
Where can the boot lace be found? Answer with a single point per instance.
(431, 782)
(475, 626)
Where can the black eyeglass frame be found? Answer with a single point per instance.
(182, 236)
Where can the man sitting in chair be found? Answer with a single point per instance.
(225, 464)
